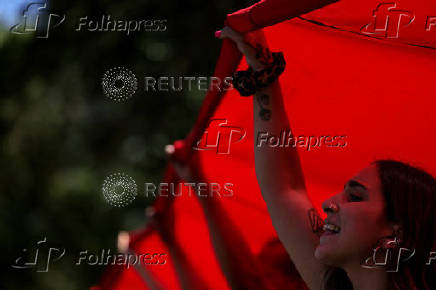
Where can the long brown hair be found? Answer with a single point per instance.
(410, 195)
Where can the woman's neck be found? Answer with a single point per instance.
(367, 279)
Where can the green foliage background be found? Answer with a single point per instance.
(60, 136)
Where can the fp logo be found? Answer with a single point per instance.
(43, 264)
(219, 136)
(37, 19)
(387, 21)
(391, 265)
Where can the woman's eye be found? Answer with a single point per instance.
(354, 197)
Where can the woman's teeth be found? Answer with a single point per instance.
(332, 228)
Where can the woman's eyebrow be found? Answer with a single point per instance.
(354, 183)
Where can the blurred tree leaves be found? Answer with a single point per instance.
(60, 136)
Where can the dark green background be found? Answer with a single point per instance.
(60, 136)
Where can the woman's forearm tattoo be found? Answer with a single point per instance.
(263, 100)
(316, 221)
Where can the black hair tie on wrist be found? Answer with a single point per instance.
(247, 82)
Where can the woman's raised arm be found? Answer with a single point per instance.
(278, 169)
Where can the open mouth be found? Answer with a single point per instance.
(331, 228)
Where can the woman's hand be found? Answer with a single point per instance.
(182, 170)
(252, 45)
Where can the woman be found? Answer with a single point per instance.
(387, 210)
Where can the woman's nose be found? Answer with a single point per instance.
(330, 206)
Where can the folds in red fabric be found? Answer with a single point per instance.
(351, 98)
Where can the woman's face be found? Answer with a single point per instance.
(361, 221)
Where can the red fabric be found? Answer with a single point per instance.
(269, 12)
(344, 77)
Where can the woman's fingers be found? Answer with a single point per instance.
(228, 32)
(237, 37)
(246, 44)
(169, 149)
(182, 170)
